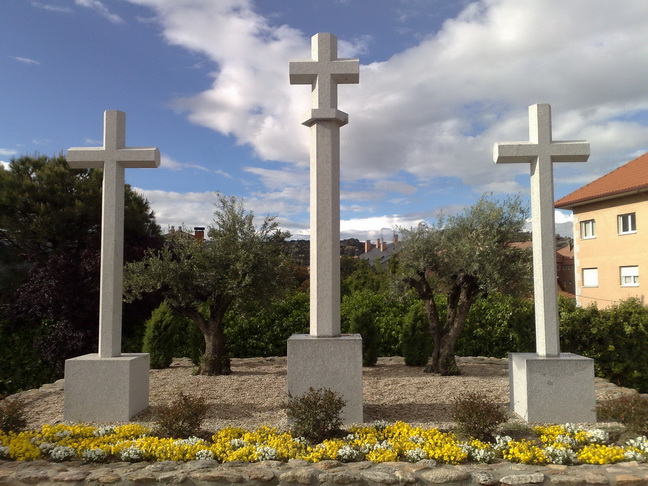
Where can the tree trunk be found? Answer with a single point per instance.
(460, 298)
(216, 360)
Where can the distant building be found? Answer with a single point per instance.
(611, 235)
(381, 252)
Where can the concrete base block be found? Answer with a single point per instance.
(106, 389)
(552, 389)
(328, 362)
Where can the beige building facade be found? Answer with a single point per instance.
(610, 218)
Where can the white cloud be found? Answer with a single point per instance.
(167, 162)
(4, 164)
(7, 152)
(26, 60)
(52, 8)
(434, 110)
(101, 9)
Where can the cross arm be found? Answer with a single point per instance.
(95, 157)
(527, 152)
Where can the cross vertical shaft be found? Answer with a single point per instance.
(113, 157)
(541, 152)
(324, 73)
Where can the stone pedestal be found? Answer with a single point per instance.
(552, 389)
(328, 362)
(106, 389)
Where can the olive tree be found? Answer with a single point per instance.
(201, 280)
(463, 256)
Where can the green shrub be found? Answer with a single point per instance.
(416, 340)
(260, 331)
(614, 337)
(497, 325)
(359, 314)
(477, 416)
(169, 335)
(12, 415)
(315, 415)
(21, 367)
(182, 418)
(630, 410)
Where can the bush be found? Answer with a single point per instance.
(12, 415)
(614, 337)
(477, 416)
(631, 411)
(359, 313)
(169, 335)
(182, 418)
(416, 340)
(21, 367)
(257, 331)
(315, 415)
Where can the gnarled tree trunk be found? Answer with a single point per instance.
(215, 360)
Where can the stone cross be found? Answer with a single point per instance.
(324, 72)
(113, 158)
(541, 152)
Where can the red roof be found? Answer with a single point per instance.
(628, 178)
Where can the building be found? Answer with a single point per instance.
(611, 235)
(381, 253)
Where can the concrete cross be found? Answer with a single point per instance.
(541, 152)
(324, 73)
(113, 158)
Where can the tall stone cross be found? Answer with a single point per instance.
(324, 72)
(541, 152)
(113, 158)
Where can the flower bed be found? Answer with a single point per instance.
(380, 442)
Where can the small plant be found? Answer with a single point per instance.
(182, 418)
(477, 416)
(12, 415)
(631, 411)
(316, 414)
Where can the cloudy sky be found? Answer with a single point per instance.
(441, 81)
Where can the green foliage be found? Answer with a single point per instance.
(416, 340)
(169, 335)
(630, 410)
(477, 416)
(359, 314)
(358, 275)
(181, 418)
(238, 263)
(21, 367)
(615, 338)
(12, 415)
(264, 330)
(315, 415)
(462, 257)
(497, 325)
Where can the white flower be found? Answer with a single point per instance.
(635, 455)
(415, 455)
(558, 455)
(348, 454)
(379, 424)
(478, 455)
(265, 453)
(640, 443)
(237, 443)
(417, 439)
(62, 453)
(132, 454)
(384, 445)
(204, 454)
(103, 431)
(46, 447)
(598, 436)
(502, 442)
(94, 455)
(190, 441)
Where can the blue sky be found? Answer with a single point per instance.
(441, 81)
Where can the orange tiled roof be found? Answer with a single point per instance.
(630, 177)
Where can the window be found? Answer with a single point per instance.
(590, 277)
(629, 276)
(627, 223)
(588, 229)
